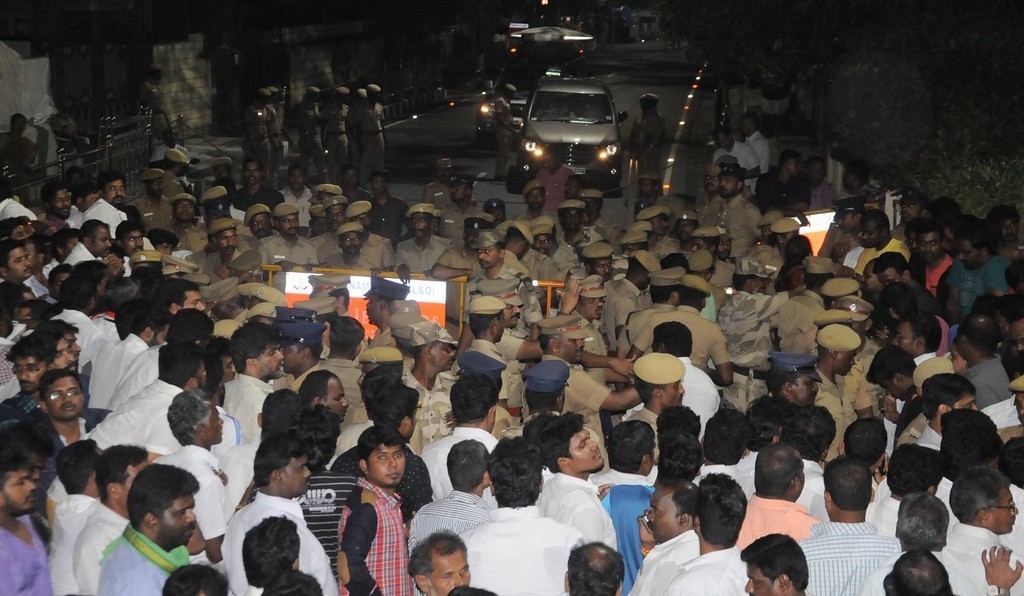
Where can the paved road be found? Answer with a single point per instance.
(629, 71)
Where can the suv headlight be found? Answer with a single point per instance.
(533, 147)
(608, 151)
(485, 108)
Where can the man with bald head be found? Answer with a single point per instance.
(778, 482)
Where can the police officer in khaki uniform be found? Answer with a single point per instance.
(379, 298)
(747, 319)
(590, 307)
(708, 340)
(430, 376)
(837, 347)
(660, 243)
(593, 199)
(597, 260)
(307, 116)
(335, 140)
(854, 312)
(519, 240)
(287, 248)
(732, 209)
(839, 287)
(659, 383)
(377, 248)
(353, 254)
(275, 133)
(258, 117)
(562, 339)
(702, 263)
(422, 251)
(504, 132)
(223, 239)
(797, 329)
(570, 218)
(438, 192)
(326, 243)
(371, 130)
(708, 238)
(844, 233)
(154, 206)
(461, 206)
(629, 294)
(461, 260)
(664, 293)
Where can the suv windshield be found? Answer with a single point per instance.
(560, 106)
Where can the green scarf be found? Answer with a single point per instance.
(168, 561)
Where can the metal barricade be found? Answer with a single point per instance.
(124, 146)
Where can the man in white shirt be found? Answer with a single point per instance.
(256, 350)
(912, 469)
(195, 423)
(718, 571)
(116, 469)
(982, 503)
(76, 469)
(669, 522)
(746, 156)
(725, 443)
(280, 470)
(474, 403)
(146, 327)
(142, 420)
(78, 297)
(517, 531)
(594, 569)
(297, 193)
(568, 497)
(750, 126)
(89, 205)
(923, 520)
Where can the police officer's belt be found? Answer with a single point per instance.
(761, 375)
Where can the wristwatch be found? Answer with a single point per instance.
(997, 591)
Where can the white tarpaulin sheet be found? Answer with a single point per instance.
(24, 88)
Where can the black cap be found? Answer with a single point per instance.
(851, 204)
(914, 196)
(476, 223)
(731, 169)
(387, 289)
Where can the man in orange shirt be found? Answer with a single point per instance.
(778, 482)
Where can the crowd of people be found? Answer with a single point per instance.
(708, 408)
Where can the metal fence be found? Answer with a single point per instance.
(124, 145)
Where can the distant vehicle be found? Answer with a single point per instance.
(523, 76)
(576, 120)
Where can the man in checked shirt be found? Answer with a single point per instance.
(374, 557)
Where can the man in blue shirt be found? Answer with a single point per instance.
(160, 525)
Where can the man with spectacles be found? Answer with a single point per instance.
(32, 356)
(63, 416)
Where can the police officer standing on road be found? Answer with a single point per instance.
(308, 117)
(275, 130)
(647, 135)
(257, 127)
(335, 140)
(504, 131)
(371, 129)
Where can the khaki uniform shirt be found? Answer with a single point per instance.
(362, 262)
(531, 309)
(722, 278)
(301, 253)
(635, 322)
(379, 249)
(738, 216)
(434, 405)
(914, 431)
(297, 381)
(708, 339)
(541, 267)
(831, 397)
(453, 220)
(349, 373)
(608, 230)
(565, 258)
(155, 216)
(594, 344)
(746, 321)
(862, 393)
(326, 245)
(383, 339)
(458, 258)
(437, 194)
(421, 259)
(624, 298)
(797, 331)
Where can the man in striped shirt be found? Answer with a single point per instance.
(464, 507)
(373, 557)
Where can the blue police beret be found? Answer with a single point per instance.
(301, 332)
(387, 289)
(295, 314)
(478, 363)
(788, 362)
(547, 376)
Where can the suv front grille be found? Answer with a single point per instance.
(574, 154)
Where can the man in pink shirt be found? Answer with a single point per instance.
(554, 176)
(778, 482)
